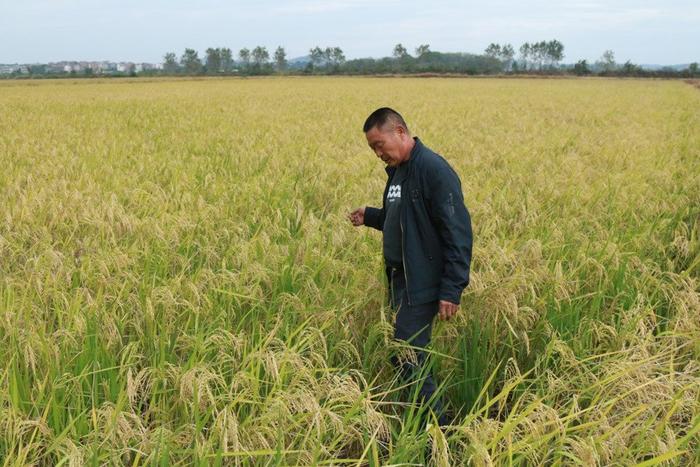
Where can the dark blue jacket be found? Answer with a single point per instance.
(436, 228)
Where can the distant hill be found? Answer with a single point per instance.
(299, 62)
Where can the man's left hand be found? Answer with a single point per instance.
(447, 310)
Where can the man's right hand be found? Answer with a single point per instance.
(357, 217)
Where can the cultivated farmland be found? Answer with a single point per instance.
(179, 283)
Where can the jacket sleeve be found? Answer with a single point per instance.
(374, 217)
(453, 223)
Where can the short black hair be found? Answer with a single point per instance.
(382, 115)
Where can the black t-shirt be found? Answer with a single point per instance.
(392, 226)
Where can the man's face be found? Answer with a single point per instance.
(387, 143)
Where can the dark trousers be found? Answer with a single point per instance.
(414, 324)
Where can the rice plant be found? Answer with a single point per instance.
(179, 284)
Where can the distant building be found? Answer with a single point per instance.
(73, 67)
(139, 67)
(125, 67)
(7, 69)
(103, 67)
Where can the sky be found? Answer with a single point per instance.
(645, 32)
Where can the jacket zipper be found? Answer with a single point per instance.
(403, 240)
(403, 258)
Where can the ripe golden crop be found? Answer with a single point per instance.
(179, 282)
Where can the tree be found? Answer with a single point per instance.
(170, 63)
(280, 58)
(493, 50)
(334, 57)
(554, 52)
(327, 54)
(330, 57)
(693, 68)
(337, 56)
(507, 54)
(525, 51)
(213, 60)
(536, 55)
(422, 49)
(607, 61)
(38, 69)
(581, 68)
(400, 51)
(190, 61)
(538, 52)
(244, 56)
(630, 68)
(226, 59)
(317, 56)
(504, 53)
(260, 55)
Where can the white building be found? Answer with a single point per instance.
(7, 69)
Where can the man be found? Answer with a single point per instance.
(427, 239)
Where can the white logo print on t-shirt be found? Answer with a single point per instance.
(394, 192)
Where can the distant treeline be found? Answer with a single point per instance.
(541, 58)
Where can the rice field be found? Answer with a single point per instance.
(179, 284)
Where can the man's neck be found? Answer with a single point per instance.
(409, 149)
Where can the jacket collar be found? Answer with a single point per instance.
(415, 152)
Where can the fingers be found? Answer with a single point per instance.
(447, 310)
(443, 311)
(356, 217)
